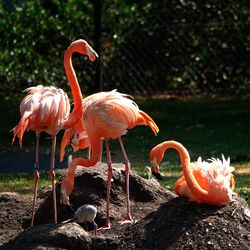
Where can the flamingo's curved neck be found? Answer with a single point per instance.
(92, 161)
(194, 186)
(75, 88)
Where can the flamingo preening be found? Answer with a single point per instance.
(210, 182)
(106, 115)
(78, 138)
(47, 109)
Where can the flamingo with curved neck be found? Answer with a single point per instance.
(203, 182)
(107, 115)
(47, 109)
(82, 47)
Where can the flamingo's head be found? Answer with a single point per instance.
(66, 189)
(84, 48)
(80, 140)
(91, 53)
(156, 156)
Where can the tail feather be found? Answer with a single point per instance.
(21, 127)
(148, 121)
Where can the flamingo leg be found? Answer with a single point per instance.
(100, 159)
(110, 173)
(36, 178)
(53, 176)
(128, 218)
(89, 152)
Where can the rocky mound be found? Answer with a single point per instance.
(163, 221)
(90, 188)
(14, 211)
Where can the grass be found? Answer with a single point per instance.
(22, 183)
(206, 127)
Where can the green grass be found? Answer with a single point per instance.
(206, 127)
(22, 183)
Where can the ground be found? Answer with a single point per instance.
(162, 220)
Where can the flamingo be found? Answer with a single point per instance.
(47, 109)
(78, 137)
(210, 182)
(107, 115)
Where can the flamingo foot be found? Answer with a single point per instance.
(126, 220)
(105, 227)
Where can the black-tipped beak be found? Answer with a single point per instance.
(96, 62)
(71, 207)
(158, 176)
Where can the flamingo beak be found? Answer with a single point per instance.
(155, 166)
(91, 53)
(64, 199)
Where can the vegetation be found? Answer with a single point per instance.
(147, 46)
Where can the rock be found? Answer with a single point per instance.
(51, 236)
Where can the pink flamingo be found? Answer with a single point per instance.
(47, 109)
(77, 136)
(107, 115)
(203, 182)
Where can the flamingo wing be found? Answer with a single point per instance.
(43, 109)
(110, 114)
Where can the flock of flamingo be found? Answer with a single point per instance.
(98, 118)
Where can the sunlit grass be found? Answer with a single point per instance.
(23, 183)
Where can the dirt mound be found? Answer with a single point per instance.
(90, 187)
(14, 211)
(179, 224)
(163, 221)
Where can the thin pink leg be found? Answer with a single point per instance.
(100, 159)
(107, 222)
(89, 152)
(53, 175)
(36, 178)
(128, 218)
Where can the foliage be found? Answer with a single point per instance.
(181, 46)
(147, 46)
(34, 36)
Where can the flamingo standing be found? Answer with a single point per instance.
(107, 115)
(47, 109)
(203, 182)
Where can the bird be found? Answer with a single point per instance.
(77, 136)
(85, 213)
(47, 109)
(107, 115)
(210, 182)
